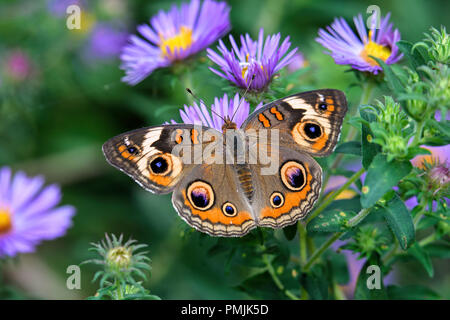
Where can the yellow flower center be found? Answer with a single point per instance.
(5, 221)
(374, 49)
(170, 46)
(245, 65)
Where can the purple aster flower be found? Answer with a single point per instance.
(348, 48)
(254, 63)
(105, 42)
(174, 36)
(298, 62)
(28, 213)
(222, 108)
(439, 154)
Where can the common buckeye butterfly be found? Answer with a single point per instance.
(223, 199)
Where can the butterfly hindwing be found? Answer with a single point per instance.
(289, 194)
(211, 200)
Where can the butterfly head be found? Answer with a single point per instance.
(228, 125)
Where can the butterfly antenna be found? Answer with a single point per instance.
(201, 101)
(243, 97)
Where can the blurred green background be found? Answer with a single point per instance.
(61, 97)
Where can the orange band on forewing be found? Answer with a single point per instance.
(291, 200)
(330, 105)
(262, 118)
(124, 153)
(161, 180)
(321, 142)
(277, 114)
(215, 215)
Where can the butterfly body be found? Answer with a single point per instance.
(227, 183)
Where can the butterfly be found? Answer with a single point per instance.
(231, 198)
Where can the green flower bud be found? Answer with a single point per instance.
(119, 257)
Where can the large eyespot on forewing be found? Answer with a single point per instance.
(160, 164)
(309, 130)
(311, 134)
(201, 195)
(163, 170)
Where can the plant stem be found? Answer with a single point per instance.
(359, 217)
(418, 134)
(432, 237)
(338, 292)
(351, 223)
(333, 196)
(302, 242)
(367, 91)
(417, 218)
(390, 254)
(321, 250)
(420, 213)
(276, 280)
(118, 291)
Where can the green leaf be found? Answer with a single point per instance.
(343, 172)
(290, 231)
(426, 222)
(439, 250)
(414, 58)
(330, 221)
(337, 264)
(353, 204)
(261, 286)
(399, 220)
(441, 133)
(280, 251)
(218, 248)
(368, 149)
(315, 283)
(381, 177)
(414, 151)
(351, 147)
(391, 78)
(412, 96)
(362, 291)
(423, 257)
(411, 292)
(443, 126)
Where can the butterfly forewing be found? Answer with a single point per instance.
(147, 155)
(309, 121)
